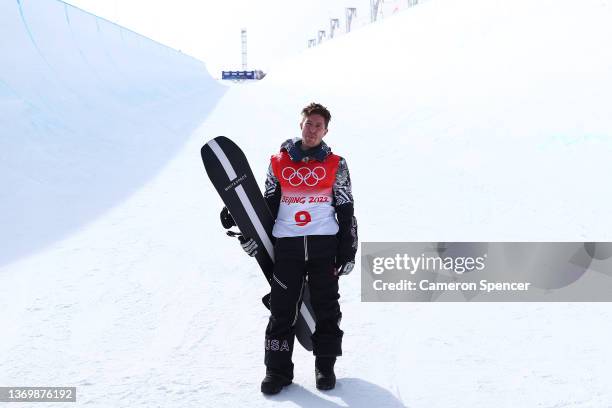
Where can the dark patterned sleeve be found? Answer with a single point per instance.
(347, 223)
(342, 185)
(272, 192)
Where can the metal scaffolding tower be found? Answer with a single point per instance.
(350, 13)
(243, 34)
(333, 24)
(321, 36)
(374, 9)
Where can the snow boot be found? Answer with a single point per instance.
(324, 373)
(274, 383)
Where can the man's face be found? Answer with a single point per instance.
(313, 130)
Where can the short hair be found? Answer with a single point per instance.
(318, 109)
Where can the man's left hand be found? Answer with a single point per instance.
(345, 268)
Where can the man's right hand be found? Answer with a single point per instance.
(249, 245)
(226, 219)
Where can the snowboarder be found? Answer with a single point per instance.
(308, 190)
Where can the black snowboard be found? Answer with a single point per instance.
(230, 173)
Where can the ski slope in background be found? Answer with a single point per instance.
(89, 111)
(474, 120)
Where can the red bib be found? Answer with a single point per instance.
(306, 196)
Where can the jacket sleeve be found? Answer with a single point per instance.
(272, 192)
(347, 223)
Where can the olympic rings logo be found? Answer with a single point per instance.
(309, 177)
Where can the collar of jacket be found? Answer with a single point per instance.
(293, 148)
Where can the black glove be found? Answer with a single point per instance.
(344, 268)
(226, 219)
(249, 245)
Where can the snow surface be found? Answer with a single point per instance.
(89, 111)
(476, 120)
